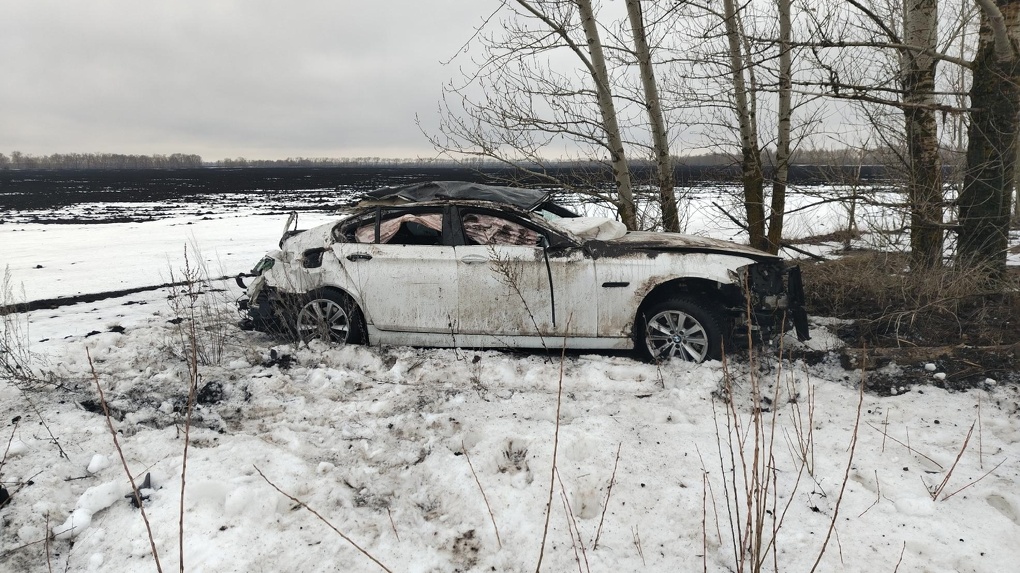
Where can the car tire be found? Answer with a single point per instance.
(682, 329)
(330, 316)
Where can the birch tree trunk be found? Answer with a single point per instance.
(751, 174)
(600, 75)
(779, 183)
(992, 138)
(924, 190)
(653, 105)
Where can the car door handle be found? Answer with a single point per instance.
(474, 259)
(359, 257)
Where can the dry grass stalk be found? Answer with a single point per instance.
(10, 441)
(552, 472)
(46, 545)
(846, 474)
(637, 545)
(914, 306)
(935, 491)
(878, 496)
(609, 494)
(482, 490)
(580, 552)
(904, 444)
(190, 333)
(123, 461)
(393, 524)
(324, 520)
(804, 430)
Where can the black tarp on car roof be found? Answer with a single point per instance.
(526, 199)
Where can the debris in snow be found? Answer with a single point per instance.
(5, 497)
(142, 493)
(211, 393)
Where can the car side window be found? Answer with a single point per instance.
(482, 229)
(403, 228)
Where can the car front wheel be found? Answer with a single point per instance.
(328, 316)
(681, 329)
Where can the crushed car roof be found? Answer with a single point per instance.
(526, 199)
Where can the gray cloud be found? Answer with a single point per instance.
(249, 78)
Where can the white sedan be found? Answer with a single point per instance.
(461, 264)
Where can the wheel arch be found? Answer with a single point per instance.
(721, 294)
(296, 300)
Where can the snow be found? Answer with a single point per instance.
(437, 460)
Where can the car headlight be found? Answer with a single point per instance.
(264, 265)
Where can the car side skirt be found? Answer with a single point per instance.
(448, 340)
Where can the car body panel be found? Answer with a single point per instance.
(386, 277)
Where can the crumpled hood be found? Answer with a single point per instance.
(682, 242)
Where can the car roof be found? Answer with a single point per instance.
(526, 199)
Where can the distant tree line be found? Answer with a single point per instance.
(19, 160)
(347, 162)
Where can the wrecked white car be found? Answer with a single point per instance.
(460, 264)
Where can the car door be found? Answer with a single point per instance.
(405, 271)
(511, 284)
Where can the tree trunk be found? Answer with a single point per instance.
(992, 139)
(924, 191)
(653, 105)
(600, 74)
(750, 154)
(779, 183)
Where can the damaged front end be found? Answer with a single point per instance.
(257, 305)
(773, 295)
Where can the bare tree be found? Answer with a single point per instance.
(918, 62)
(992, 137)
(752, 175)
(541, 82)
(784, 127)
(656, 118)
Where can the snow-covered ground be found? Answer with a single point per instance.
(442, 460)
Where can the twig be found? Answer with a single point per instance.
(192, 335)
(575, 532)
(981, 449)
(324, 520)
(983, 476)
(484, 498)
(886, 426)
(909, 449)
(9, 442)
(552, 472)
(900, 560)
(637, 543)
(393, 525)
(609, 493)
(42, 421)
(123, 461)
(49, 564)
(846, 473)
(704, 519)
(945, 481)
(878, 496)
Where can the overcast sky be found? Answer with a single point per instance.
(227, 78)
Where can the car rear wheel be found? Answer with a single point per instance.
(680, 329)
(329, 316)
